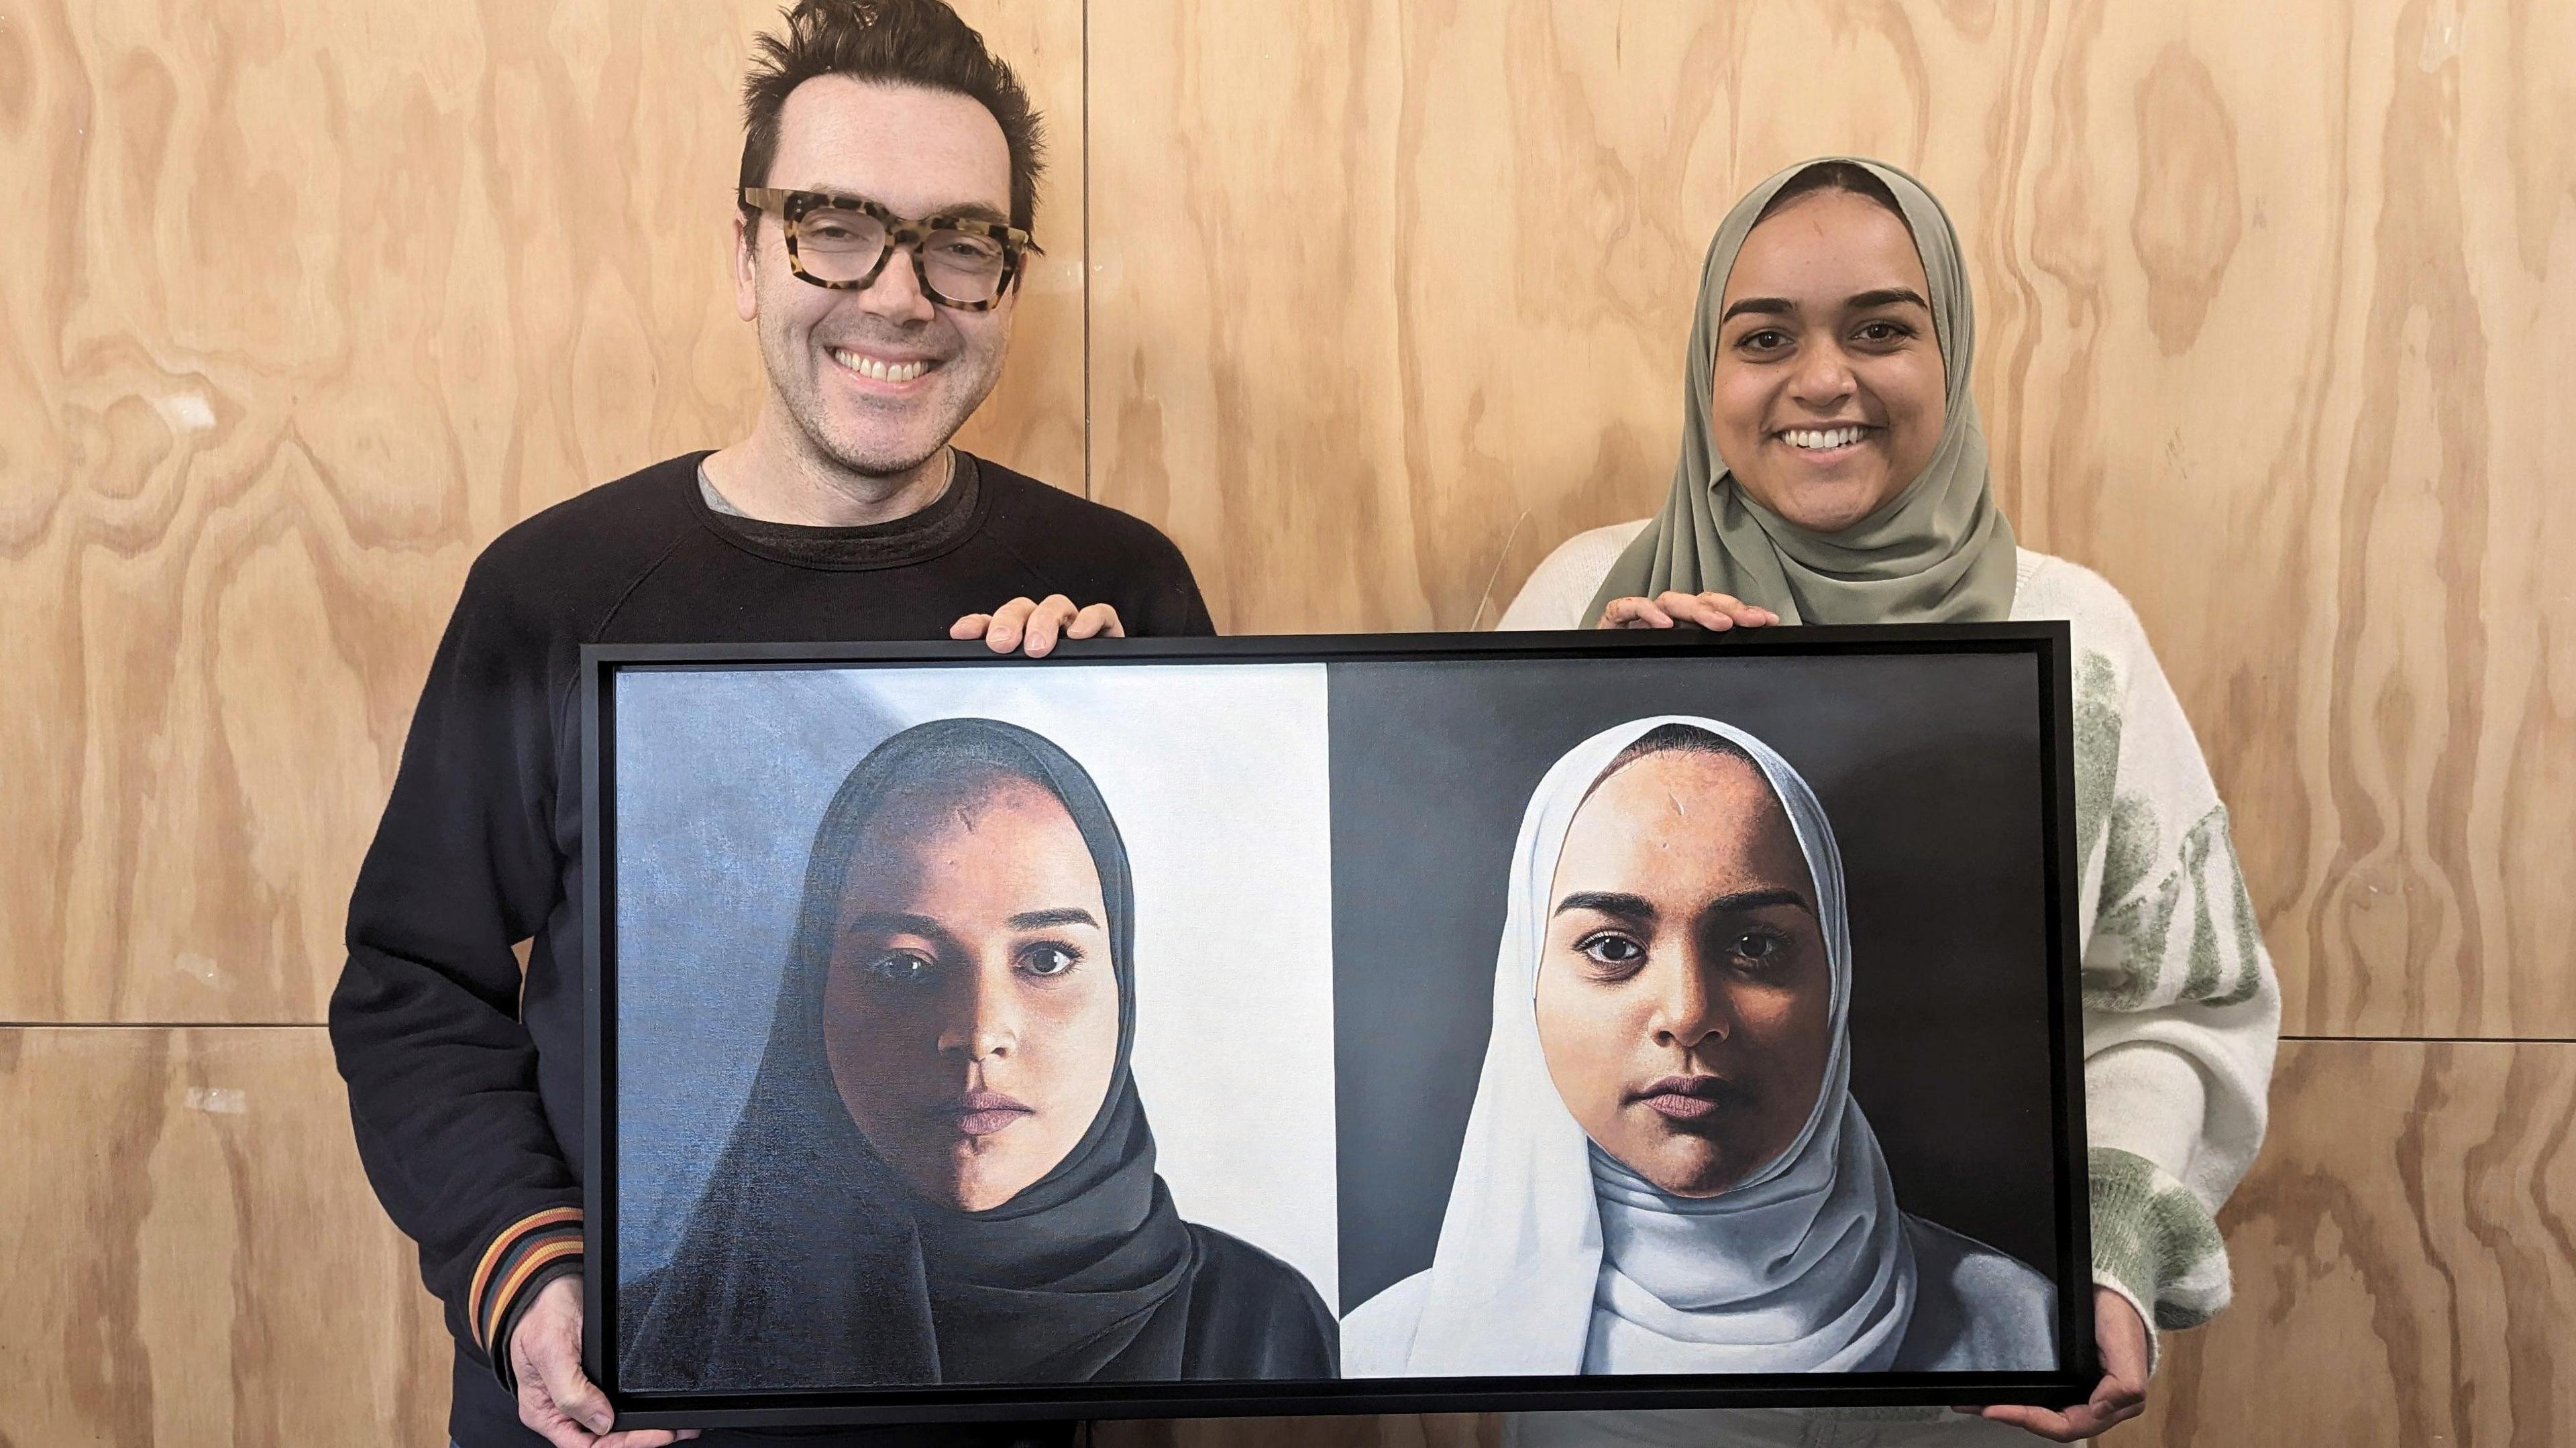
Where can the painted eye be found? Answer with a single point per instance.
(1612, 950)
(900, 967)
(1047, 961)
(1759, 947)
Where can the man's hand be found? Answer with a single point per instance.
(1716, 612)
(2120, 1396)
(1039, 624)
(555, 1398)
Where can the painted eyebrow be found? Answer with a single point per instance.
(1630, 907)
(1637, 907)
(1742, 901)
(1042, 919)
(895, 922)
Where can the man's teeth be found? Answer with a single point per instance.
(1819, 438)
(881, 371)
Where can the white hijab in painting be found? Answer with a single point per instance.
(1556, 1259)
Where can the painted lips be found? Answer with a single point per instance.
(982, 1113)
(1690, 1098)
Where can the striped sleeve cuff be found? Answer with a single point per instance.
(2154, 1243)
(517, 1260)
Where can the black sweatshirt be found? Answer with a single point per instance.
(465, 1081)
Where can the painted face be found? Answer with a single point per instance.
(877, 381)
(971, 1010)
(1826, 399)
(1684, 1000)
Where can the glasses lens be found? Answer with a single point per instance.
(963, 266)
(837, 245)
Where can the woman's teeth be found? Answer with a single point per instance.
(1817, 439)
(880, 371)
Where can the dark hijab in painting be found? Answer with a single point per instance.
(809, 1263)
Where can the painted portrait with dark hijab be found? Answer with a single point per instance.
(944, 1172)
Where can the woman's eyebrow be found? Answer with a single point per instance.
(1607, 902)
(1043, 919)
(1776, 306)
(1887, 297)
(1742, 901)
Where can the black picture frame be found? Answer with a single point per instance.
(2046, 644)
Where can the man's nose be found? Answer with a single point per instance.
(896, 294)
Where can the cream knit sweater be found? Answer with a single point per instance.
(2181, 1010)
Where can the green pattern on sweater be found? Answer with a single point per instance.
(2152, 1236)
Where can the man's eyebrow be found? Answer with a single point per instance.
(1608, 902)
(1775, 306)
(1745, 900)
(1887, 297)
(1042, 919)
(953, 211)
(971, 211)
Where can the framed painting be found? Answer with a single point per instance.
(1348, 1024)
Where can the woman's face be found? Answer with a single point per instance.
(1827, 395)
(1684, 997)
(971, 1009)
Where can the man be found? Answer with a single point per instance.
(889, 176)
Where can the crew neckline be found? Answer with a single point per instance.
(935, 529)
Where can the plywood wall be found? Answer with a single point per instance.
(1368, 303)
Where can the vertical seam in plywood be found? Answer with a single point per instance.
(1088, 490)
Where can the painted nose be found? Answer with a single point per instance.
(985, 1024)
(1687, 1012)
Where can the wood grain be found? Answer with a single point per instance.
(195, 1259)
(297, 313)
(1389, 297)
(2405, 1258)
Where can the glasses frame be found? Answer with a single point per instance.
(791, 207)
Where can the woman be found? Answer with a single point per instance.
(944, 1174)
(1664, 1170)
(1832, 471)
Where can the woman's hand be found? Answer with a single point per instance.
(1716, 612)
(2120, 1396)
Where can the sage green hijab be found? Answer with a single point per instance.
(1938, 552)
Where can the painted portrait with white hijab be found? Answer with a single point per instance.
(1664, 1168)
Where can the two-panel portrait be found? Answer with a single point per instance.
(1341, 1023)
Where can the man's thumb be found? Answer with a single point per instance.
(575, 1396)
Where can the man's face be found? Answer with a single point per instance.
(844, 363)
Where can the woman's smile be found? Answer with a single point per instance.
(1827, 445)
(1826, 399)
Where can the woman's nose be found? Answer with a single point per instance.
(985, 1021)
(1687, 1012)
(1824, 377)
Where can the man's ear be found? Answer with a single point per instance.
(746, 262)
